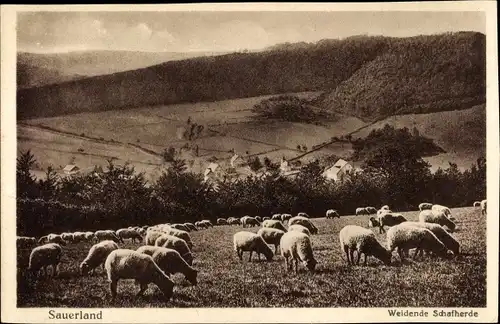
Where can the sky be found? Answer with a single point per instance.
(49, 32)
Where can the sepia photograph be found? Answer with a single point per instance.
(327, 160)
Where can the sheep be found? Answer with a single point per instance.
(265, 218)
(424, 206)
(151, 237)
(276, 217)
(429, 216)
(271, 236)
(302, 214)
(476, 204)
(331, 213)
(171, 262)
(56, 238)
(130, 264)
(178, 244)
(299, 228)
(180, 227)
(199, 224)
(389, 219)
(361, 211)
(126, 233)
(97, 256)
(207, 222)
(147, 249)
(405, 237)
(43, 256)
(259, 219)
(251, 242)
(68, 237)
(43, 239)
(285, 217)
(89, 236)
(380, 212)
(373, 222)
(25, 242)
(78, 237)
(443, 209)
(107, 235)
(385, 207)
(371, 210)
(304, 222)
(483, 207)
(297, 246)
(274, 224)
(191, 226)
(356, 238)
(183, 235)
(445, 237)
(221, 221)
(233, 221)
(249, 221)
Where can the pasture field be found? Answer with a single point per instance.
(225, 281)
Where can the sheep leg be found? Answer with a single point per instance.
(358, 256)
(287, 266)
(112, 287)
(401, 254)
(240, 254)
(250, 257)
(143, 288)
(296, 265)
(54, 269)
(346, 250)
(276, 249)
(351, 253)
(365, 259)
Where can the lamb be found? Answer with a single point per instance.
(171, 262)
(356, 238)
(97, 256)
(331, 213)
(276, 217)
(130, 264)
(55, 238)
(389, 219)
(298, 247)
(274, 224)
(183, 235)
(405, 237)
(25, 242)
(361, 211)
(221, 221)
(425, 206)
(429, 216)
(249, 221)
(107, 235)
(371, 210)
(445, 237)
(302, 214)
(271, 236)
(178, 244)
(299, 228)
(126, 233)
(285, 217)
(304, 222)
(251, 242)
(373, 222)
(483, 207)
(476, 204)
(152, 236)
(43, 256)
(443, 209)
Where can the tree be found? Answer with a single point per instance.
(255, 164)
(49, 185)
(169, 154)
(178, 166)
(26, 183)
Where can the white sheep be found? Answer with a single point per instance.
(389, 219)
(105, 235)
(126, 233)
(385, 207)
(483, 207)
(445, 237)
(476, 204)
(430, 216)
(68, 237)
(373, 222)
(361, 211)
(44, 256)
(130, 264)
(442, 209)
(251, 242)
(56, 238)
(181, 227)
(200, 225)
(332, 213)
(152, 236)
(259, 219)
(178, 244)
(380, 212)
(302, 214)
(285, 217)
(265, 218)
(25, 242)
(356, 238)
(371, 210)
(298, 247)
(274, 224)
(299, 228)
(191, 226)
(183, 235)
(221, 221)
(276, 217)
(171, 262)
(207, 222)
(148, 249)
(97, 256)
(425, 206)
(249, 222)
(271, 236)
(89, 236)
(304, 222)
(78, 237)
(405, 237)
(43, 239)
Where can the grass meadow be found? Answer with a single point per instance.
(225, 281)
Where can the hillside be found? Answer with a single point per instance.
(42, 69)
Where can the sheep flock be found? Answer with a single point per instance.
(152, 255)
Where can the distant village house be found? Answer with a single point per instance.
(71, 169)
(338, 171)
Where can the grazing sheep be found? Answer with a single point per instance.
(271, 236)
(302, 214)
(274, 224)
(130, 264)
(380, 212)
(251, 242)
(304, 222)
(107, 235)
(385, 207)
(89, 236)
(371, 210)
(299, 228)
(43, 239)
(25, 242)
(248, 221)
(442, 209)
(152, 236)
(221, 221)
(331, 213)
(476, 204)
(126, 233)
(97, 256)
(178, 244)
(429, 216)
(207, 223)
(389, 219)
(445, 237)
(373, 222)
(183, 235)
(78, 237)
(405, 237)
(148, 249)
(425, 206)
(265, 218)
(233, 221)
(180, 227)
(259, 219)
(356, 238)
(285, 217)
(191, 226)
(483, 207)
(298, 247)
(276, 217)
(171, 262)
(56, 238)
(43, 256)
(68, 237)
(361, 211)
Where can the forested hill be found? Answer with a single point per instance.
(363, 76)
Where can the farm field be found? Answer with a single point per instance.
(225, 281)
